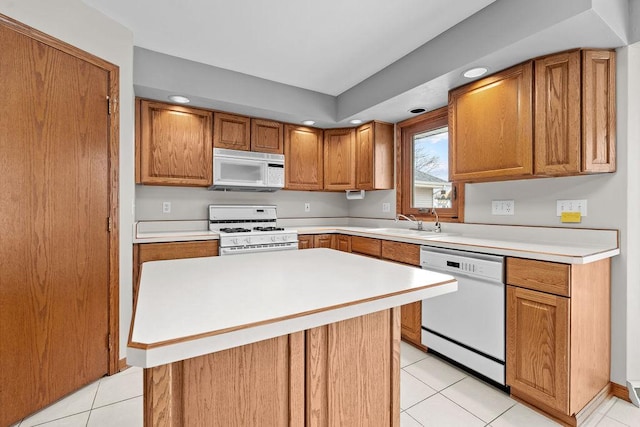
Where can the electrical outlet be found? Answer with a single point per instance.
(307, 207)
(386, 207)
(166, 207)
(571, 206)
(503, 207)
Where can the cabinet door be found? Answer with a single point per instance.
(366, 246)
(411, 322)
(374, 156)
(557, 114)
(406, 253)
(323, 241)
(339, 159)
(598, 111)
(538, 347)
(173, 145)
(491, 126)
(305, 241)
(343, 243)
(267, 136)
(231, 131)
(303, 158)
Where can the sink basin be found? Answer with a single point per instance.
(407, 232)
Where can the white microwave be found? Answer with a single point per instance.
(247, 170)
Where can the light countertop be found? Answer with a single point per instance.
(190, 307)
(563, 245)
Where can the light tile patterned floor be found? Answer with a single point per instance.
(432, 393)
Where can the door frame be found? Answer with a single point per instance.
(113, 127)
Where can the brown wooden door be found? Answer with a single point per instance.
(323, 241)
(491, 126)
(174, 145)
(339, 159)
(538, 346)
(305, 241)
(557, 127)
(267, 136)
(54, 204)
(231, 131)
(343, 243)
(303, 158)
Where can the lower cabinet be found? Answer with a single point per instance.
(143, 252)
(558, 335)
(309, 241)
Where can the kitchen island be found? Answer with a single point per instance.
(279, 338)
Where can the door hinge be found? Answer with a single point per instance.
(109, 224)
(108, 105)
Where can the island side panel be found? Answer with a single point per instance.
(252, 385)
(353, 371)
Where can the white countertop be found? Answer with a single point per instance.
(563, 245)
(191, 307)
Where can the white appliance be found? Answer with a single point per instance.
(235, 170)
(467, 326)
(248, 228)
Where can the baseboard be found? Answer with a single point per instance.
(122, 364)
(634, 389)
(620, 391)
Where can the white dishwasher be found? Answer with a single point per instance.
(467, 326)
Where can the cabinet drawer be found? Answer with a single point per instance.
(405, 253)
(365, 246)
(177, 250)
(541, 276)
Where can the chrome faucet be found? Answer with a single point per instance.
(436, 228)
(411, 220)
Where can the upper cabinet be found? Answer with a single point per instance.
(554, 116)
(374, 156)
(339, 159)
(267, 136)
(491, 126)
(231, 131)
(173, 145)
(575, 113)
(303, 150)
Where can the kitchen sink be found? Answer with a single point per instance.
(407, 232)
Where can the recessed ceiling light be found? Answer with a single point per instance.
(355, 121)
(417, 110)
(309, 122)
(475, 72)
(179, 99)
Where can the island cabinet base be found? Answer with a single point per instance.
(342, 374)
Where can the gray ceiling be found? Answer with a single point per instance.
(368, 72)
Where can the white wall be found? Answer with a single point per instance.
(77, 24)
(191, 203)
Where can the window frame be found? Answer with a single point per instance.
(405, 132)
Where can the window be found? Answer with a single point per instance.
(423, 178)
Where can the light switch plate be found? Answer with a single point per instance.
(503, 207)
(571, 206)
(307, 207)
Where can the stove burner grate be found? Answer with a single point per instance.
(235, 230)
(268, 228)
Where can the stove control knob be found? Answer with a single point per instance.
(274, 238)
(247, 239)
(235, 241)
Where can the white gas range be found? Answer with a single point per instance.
(248, 228)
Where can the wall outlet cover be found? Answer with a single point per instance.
(166, 207)
(503, 207)
(386, 207)
(571, 206)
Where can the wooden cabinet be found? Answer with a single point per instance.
(173, 145)
(558, 334)
(305, 241)
(340, 159)
(231, 131)
(374, 156)
(491, 126)
(411, 314)
(366, 246)
(567, 100)
(303, 151)
(267, 136)
(324, 241)
(343, 243)
(575, 113)
(143, 252)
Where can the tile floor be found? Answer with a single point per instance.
(432, 393)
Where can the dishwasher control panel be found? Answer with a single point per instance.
(454, 262)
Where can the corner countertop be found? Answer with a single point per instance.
(554, 244)
(190, 307)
